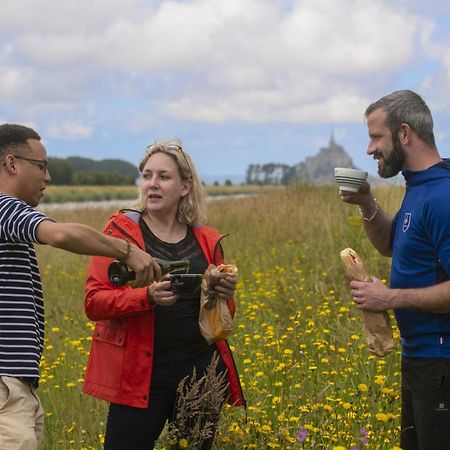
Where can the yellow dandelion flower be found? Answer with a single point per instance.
(183, 443)
(363, 387)
(382, 417)
(380, 379)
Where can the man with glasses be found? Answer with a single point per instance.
(23, 179)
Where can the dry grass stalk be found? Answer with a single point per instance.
(199, 402)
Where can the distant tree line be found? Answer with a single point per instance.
(271, 173)
(84, 171)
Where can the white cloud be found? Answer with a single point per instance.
(209, 60)
(15, 83)
(68, 130)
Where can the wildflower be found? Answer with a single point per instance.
(364, 434)
(183, 443)
(363, 387)
(276, 400)
(301, 435)
(382, 417)
(380, 379)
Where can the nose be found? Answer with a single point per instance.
(153, 182)
(371, 148)
(47, 176)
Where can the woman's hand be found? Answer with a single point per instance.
(226, 288)
(159, 292)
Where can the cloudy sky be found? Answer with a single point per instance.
(239, 81)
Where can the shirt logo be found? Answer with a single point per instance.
(406, 222)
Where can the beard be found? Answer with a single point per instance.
(393, 163)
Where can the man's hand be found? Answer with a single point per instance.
(363, 197)
(145, 267)
(371, 295)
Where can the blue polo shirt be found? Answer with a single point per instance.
(421, 257)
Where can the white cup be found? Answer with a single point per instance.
(349, 179)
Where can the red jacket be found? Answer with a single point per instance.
(120, 362)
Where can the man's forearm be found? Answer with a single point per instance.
(430, 299)
(81, 239)
(378, 227)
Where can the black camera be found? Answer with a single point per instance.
(185, 284)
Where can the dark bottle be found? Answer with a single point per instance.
(119, 274)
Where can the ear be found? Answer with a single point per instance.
(9, 164)
(404, 133)
(187, 187)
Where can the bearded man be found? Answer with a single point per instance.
(401, 138)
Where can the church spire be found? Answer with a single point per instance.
(332, 141)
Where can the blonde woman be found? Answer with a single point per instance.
(147, 340)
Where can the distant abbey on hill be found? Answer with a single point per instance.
(318, 169)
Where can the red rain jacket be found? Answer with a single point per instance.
(120, 361)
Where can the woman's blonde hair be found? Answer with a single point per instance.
(192, 207)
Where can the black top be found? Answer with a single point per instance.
(177, 334)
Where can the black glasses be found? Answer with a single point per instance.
(41, 163)
(170, 148)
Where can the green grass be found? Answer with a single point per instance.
(298, 342)
(59, 194)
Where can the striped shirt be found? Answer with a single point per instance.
(21, 302)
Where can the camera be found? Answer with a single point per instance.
(186, 284)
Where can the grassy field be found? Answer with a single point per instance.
(58, 194)
(309, 380)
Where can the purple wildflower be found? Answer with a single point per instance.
(364, 436)
(301, 435)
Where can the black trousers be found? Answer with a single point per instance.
(425, 404)
(139, 429)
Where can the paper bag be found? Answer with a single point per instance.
(377, 325)
(215, 318)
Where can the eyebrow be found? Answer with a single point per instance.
(157, 171)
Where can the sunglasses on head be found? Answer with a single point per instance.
(169, 148)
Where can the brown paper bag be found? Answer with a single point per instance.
(377, 325)
(215, 318)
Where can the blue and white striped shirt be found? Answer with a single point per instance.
(21, 301)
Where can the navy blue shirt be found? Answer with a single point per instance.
(421, 257)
